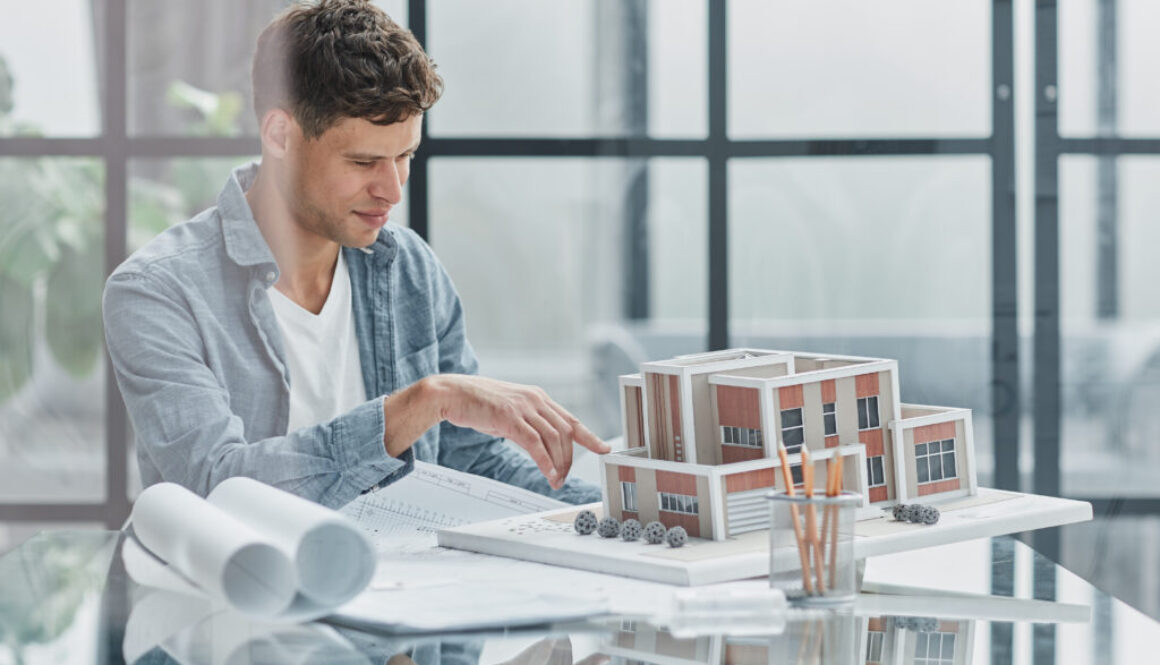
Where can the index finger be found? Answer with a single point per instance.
(581, 434)
(586, 438)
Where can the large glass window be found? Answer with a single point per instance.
(48, 73)
(52, 266)
(1127, 53)
(537, 250)
(813, 69)
(569, 68)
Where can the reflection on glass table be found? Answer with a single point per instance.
(64, 598)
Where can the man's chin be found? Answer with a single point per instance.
(362, 240)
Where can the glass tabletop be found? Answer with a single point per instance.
(65, 598)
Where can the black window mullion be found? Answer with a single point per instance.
(1047, 395)
(1005, 385)
(717, 152)
(116, 154)
(419, 191)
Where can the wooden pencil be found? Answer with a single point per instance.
(795, 515)
(812, 521)
(834, 526)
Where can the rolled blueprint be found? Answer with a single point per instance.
(333, 560)
(229, 560)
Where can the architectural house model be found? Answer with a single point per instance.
(703, 431)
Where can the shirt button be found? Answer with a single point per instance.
(270, 277)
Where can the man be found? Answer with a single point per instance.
(293, 335)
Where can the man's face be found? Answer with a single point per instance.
(342, 184)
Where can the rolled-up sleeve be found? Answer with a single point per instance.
(181, 411)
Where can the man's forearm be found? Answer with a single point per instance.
(408, 413)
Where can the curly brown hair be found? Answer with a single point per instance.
(341, 58)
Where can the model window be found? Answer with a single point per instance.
(830, 418)
(628, 494)
(875, 472)
(679, 503)
(935, 460)
(741, 436)
(796, 473)
(868, 412)
(874, 646)
(934, 649)
(792, 431)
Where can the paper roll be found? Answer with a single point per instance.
(231, 561)
(334, 561)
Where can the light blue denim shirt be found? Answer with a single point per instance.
(200, 363)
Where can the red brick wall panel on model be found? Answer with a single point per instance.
(750, 480)
(939, 487)
(791, 397)
(829, 391)
(866, 385)
(677, 483)
(873, 440)
(738, 407)
(730, 454)
(691, 523)
(928, 433)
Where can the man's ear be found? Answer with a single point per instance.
(277, 128)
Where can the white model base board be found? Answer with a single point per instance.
(548, 537)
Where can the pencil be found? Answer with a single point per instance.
(812, 520)
(795, 515)
(834, 526)
(826, 511)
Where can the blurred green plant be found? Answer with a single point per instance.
(52, 234)
(45, 581)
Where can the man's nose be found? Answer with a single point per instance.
(387, 184)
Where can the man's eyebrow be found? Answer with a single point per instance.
(370, 156)
(362, 156)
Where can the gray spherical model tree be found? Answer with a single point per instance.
(654, 533)
(630, 530)
(677, 536)
(928, 515)
(585, 522)
(609, 528)
(897, 511)
(910, 513)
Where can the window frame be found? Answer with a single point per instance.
(627, 492)
(798, 430)
(868, 418)
(742, 437)
(829, 419)
(870, 464)
(923, 456)
(683, 504)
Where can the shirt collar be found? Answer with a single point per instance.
(243, 240)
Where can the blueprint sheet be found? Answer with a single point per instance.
(419, 586)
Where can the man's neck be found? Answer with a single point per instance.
(305, 260)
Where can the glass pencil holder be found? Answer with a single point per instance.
(811, 547)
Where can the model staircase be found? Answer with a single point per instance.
(748, 511)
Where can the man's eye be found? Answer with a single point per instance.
(364, 164)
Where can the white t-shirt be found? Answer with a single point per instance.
(322, 353)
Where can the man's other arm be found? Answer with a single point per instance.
(182, 417)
